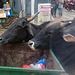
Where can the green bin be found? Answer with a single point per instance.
(5, 70)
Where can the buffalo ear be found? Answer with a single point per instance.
(69, 38)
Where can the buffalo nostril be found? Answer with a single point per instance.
(0, 38)
(30, 44)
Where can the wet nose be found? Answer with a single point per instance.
(0, 39)
(30, 43)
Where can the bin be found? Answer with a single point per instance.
(13, 56)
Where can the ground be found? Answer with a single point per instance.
(67, 15)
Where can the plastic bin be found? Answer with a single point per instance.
(19, 54)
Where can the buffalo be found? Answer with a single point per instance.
(21, 30)
(60, 38)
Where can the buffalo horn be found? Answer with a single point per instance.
(30, 19)
(65, 24)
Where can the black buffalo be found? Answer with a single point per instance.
(21, 29)
(59, 38)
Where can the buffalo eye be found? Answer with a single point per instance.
(19, 26)
(47, 33)
(23, 23)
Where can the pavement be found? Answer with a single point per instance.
(2, 31)
(67, 15)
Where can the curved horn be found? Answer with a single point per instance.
(65, 24)
(30, 19)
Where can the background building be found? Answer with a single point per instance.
(29, 7)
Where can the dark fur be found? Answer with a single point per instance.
(51, 38)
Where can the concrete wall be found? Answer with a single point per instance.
(16, 5)
(39, 1)
(28, 7)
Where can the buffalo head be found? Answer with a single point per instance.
(42, 40)
(18, 31)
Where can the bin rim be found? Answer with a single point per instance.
(29, 70)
